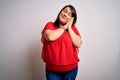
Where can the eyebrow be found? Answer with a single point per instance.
(67, 11)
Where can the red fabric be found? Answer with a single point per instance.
(60, 54)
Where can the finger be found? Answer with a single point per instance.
(72, 19)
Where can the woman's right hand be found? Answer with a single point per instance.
(69, 23)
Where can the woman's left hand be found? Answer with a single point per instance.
(69, 23)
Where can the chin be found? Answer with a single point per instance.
(63, 22)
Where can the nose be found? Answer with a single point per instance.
(65, 14)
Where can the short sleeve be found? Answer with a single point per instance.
(49, 25)
(76, 30)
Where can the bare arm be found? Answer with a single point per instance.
(52, 35)
(76, 39)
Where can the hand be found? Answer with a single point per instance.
(69, 23)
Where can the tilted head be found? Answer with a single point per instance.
(65, 14)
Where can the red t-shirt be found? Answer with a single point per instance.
(59, 55)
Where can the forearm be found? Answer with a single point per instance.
(76, 39)
(52, 35)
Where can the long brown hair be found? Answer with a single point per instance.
(74, 14)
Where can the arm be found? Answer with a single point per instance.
(76, 39)
(52, 35)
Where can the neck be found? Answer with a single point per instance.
(61, 24)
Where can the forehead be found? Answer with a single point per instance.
(68, 9)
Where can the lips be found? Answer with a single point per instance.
(63, 17)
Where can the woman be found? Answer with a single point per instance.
(61, 41)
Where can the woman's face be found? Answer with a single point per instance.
(65, 15)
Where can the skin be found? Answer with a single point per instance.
(66, 21)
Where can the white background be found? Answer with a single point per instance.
(22, 21)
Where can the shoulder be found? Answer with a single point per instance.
(49, 23)
(75, 29)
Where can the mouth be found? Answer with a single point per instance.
(63, 17)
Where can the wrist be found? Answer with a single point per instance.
(69, 28)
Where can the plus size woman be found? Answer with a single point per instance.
(61, 41)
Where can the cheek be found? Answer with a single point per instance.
(62, 13)
(60, 17)
(69, 18)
